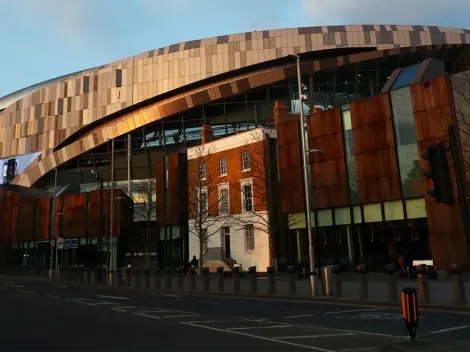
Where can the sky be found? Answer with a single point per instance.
(43, 39)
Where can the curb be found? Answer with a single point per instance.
(300, 299)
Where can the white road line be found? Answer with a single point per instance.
(174, 296)
(208, 321)
(52, 296)
(298, 316)
(163, 295)
(261, 327)
(311, 336)
(352, 311)
(123, 309)
(148, 316)
(352, 331)
(180, 316)
(11, 285)
(111, 297)
(260, 337)
(450, 329)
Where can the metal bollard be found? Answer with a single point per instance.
(135, 278)
(167, 278)
(338, 284)
(236, 279)
(144, 282)
(192, 279)
(87, 274)
(423, 286)
(253, 280)
(206, 279)
(459, 285)
(362, 282)
(392, 294)
(292, 288)
(220, 279)
(154, 282)
(271, 280)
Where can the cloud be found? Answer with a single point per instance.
(426, 12)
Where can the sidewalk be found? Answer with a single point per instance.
(428, 346)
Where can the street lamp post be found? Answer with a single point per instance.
(111, 257)
(305, 153)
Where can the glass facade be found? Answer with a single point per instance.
(350, 160)
(406, 142)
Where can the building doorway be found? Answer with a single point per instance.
(225, 240)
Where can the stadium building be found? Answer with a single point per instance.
(365, 91)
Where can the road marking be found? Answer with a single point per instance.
(261, 327)
(11, 284)
(351, 311)
(52, 296)
(111, 297)
(260, 337)
(361, 349)
(449, 329)
(148, 316)
(208, 321)
(26, 291)
(90, 302)
(298, 316)
(174, 296)
(181, 316)
(123, 309)
(61, 286)
(311, 336)
(163, 295)
(256, 320)
(353, 331)
(191, 301)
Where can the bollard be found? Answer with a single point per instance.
(362, 281)
(236, 279)
(192, 279)
(220, 279)
(410, 311)
(338, 284)
(92, 275)
(144, 279)
(82, 275)
(115, 278)
(135, 278)
(180, 275)
(271, 280)
(86, 277)
(392, 294)
(206, 279)
(154, 282)
(459, 286)
(127, 277)
(423, 285)
(168, 278)
(103, 276)
(292, 289)
(253, 280)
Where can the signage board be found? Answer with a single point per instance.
(60, 243)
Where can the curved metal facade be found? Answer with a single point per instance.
(45, 118)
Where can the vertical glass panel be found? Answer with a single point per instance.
(350, 160)
(407, 147)
(343, 216)
(415, 208)
(325, 218)
(394, 210)
(372, 212)
(357, 214)
(297, 220)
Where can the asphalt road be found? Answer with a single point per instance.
(46, 316)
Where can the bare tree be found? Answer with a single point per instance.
(206, 208)
(261, 160)
(145, 208)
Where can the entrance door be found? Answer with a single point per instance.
(226, 241)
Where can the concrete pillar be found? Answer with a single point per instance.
(135, 278)
(145, 278)
(459, 285)
(154, 282)
(291, 281)
(168, 278)
(423, 288)
(220, 279)
(180, 275)
(253, 280)
(206, 279)
(271, 280)
(192, 279)
(363, 289)
(392, 293)
(337, 283)
(236, 280)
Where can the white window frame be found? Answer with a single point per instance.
(223, 161)
(202, 190)
(245, 169)
(243, 183)
(249, 247)
(224, 186)
(202, 171)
